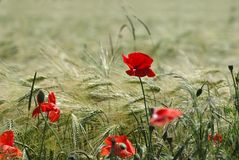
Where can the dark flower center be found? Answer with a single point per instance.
(122, 146)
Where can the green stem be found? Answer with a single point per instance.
(236, 89)
(150, 143)
(25, 146)
(112, 155)
(144, 132)
(233, 78)
(140, 128)
(55, 134)
(145, 105)
(42, 140)
(29, 106)
(147, 119)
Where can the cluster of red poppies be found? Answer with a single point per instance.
(7, 148)
(140, 66)
(217, 138)
(50, 107)
(120, 145)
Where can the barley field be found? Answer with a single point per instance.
(74, 48)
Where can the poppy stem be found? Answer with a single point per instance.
(147, 119)
(145, 105)
(55, 134)
(236, 90)
(42, 140)
(112, 154)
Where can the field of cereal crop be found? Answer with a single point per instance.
(75, 47)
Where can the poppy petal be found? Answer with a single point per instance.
(52, 98)
(11, 151)
(159, 121)
(7, 138)
(45, 107)
(150, 73)
(209, 137)
(36, 112)
(54, 114)
(126, 61)
(165, 115)
(130, 147)
(130, 72)
(125, 154)
(141, 72)
(108, 140)
(105, 150)
(217, 138)
(140, 60)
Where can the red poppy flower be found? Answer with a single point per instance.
(163, 116)
(209, 137)
(121, 146)
(139, 64)
(54, 114)
(7, 149)
(44, 107)
(49, 107)
(217, 138)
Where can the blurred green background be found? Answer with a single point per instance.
(208, 28)
(57, 37)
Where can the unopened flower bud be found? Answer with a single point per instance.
(40, 97)
(230, 67)
(136, 157)
(199, 92)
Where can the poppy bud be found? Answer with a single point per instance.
(151, 111)
(199, 92)
(122, 146)
(40, 97)
(230, 67)
(136, 157)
